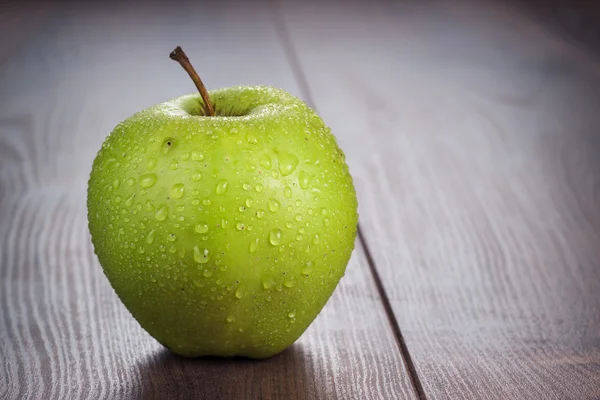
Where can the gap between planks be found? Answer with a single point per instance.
(300, 77)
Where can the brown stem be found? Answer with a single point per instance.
(179, 56)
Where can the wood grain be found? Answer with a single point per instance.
(63, 332)
(473, 137)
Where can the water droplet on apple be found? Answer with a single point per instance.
(260, 213)
(316, 239)
(287, 191)
(304, 179)
(250, 138)
(292, 314)
(273, 205)
(326, 222)
(275, 237)
(201, 257)
(250, 167)
(150, 236)
(267, 283)
(259, 188)
(201, 227)
(324, 211)
(246, 186)
(240, 226)
(287, 163)
(288, 283)
(239, 292)
(129, 201)
(177, 191)
(161, 213)
(130, 181)
(299, 237)
(116, 183)
(265, 161)
(152, 163)
(197, 176)
(207, 272)
(248, 202)
(174, 165)
(230, 319)
(171, 237)
(289, 224)
(298, 203)
(307, 268)
(197, 156)
(221, 186)
(253, 245)
(147, 180)
(149, 205)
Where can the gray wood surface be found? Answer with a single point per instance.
(472, 130)
(474, 138)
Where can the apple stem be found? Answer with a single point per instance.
(179, 55)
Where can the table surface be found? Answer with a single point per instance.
(472, 130)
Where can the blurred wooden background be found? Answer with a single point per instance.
(472, 129)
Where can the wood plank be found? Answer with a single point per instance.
(63, 332)
(473, 138)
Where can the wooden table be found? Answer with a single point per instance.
(472, 129)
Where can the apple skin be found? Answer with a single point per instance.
(223, 235)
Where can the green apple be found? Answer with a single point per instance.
(223, 235)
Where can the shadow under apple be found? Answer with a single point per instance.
(164, 375)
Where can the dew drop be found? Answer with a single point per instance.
(207, 272)
(250, 138)
(230, 319)
(152, 163)
(116, 183)
(298, 203)
(288, 283)
(292, 314)
(197, 176)
(267, 283)
(149, 205)
(129, 201)
(130, 181)
(248, 202)
(250, 167)
(260, 213)
(221, 186)
(240, 226)
(304, 179)
(287, 191)
(316, 239)
(275, 237)
(239, 292)
(259, 188)
(150, 236)
(265, 161)
(201, 227)
(197, 156)
(253, 245)
(177, 191)
(307, 268)
(289, 224)
(287, 163)
(201, 257)
(161, 213)
(273, 205)
(206, 202)
(274, 174)
(147, 180)
(174, 165)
